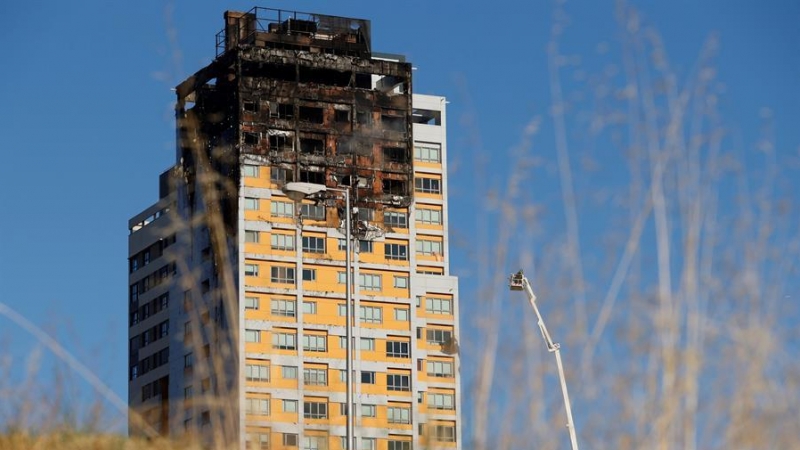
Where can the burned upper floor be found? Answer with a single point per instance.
(317, 107)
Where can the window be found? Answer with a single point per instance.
(309, 307)
(395, 219)
(314, 443)
(251, 138)
(256, 372)
(429, 216)
(429, 247)
(370, 314)
(428, 185)
(369, 282)
(282, 241)
(444, 433)
(342, 245)
(400, 282)
(368, 444)
(280, 307)
(280, 175)
(367, 344)
(401, 314)
(188, 360)
(398, 414)
(441, 369)
(257, 406)
(365, 246)
(251, 236)
(281, 111)
(439, 306)
(253, 336)
(315, 410)
(427, 153)
(395, 154)
(394, 187)
(290, 439)
(187, 392)
(289, 405)
(313, 212)
(341, 115)
(315, 377)
(438, 336)
(368, 410)
(257, 440)
(289, 373)
(313, 244)
(367, 377)
(281, 142)
(396, 382)
(314, 343)
(310, 176)
(251, 303)
(281, 274)
(367, 214)
(251, 270)
(284, 341)
(441, 401)
(250, 171)
(251, 203)
(399, 445)
(281, 209)
(309, 274)
(397, 349)
(396, 251)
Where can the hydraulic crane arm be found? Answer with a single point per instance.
(519, 282)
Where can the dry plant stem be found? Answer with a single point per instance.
(64, 355)
(574, 257)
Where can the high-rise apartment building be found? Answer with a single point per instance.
(238, 293)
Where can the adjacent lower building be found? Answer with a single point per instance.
(237, 293)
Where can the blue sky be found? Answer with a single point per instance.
(87, 125)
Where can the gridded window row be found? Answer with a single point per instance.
(428, 247)
(315, 410)
(396, 251)
(428, 185)
(397, 382)
(395, 219)
(256, 372)
(398, 414)
(363, 246)
(315, 377)
(441, 401)
(284, 341)
(278, 209)
(281, 241)
(428, 153)
(429, 216)
(313, 212)
(313, 244)
(281, 274)
(257, 441)
(399, 445)
(443, 433)
(280, 307)
(314, 343)
(370, 314)
(440, 369)
(439, 306)
(252, 236)
(257, 406)
(397, 349)
(434, 336)
(249, 170)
